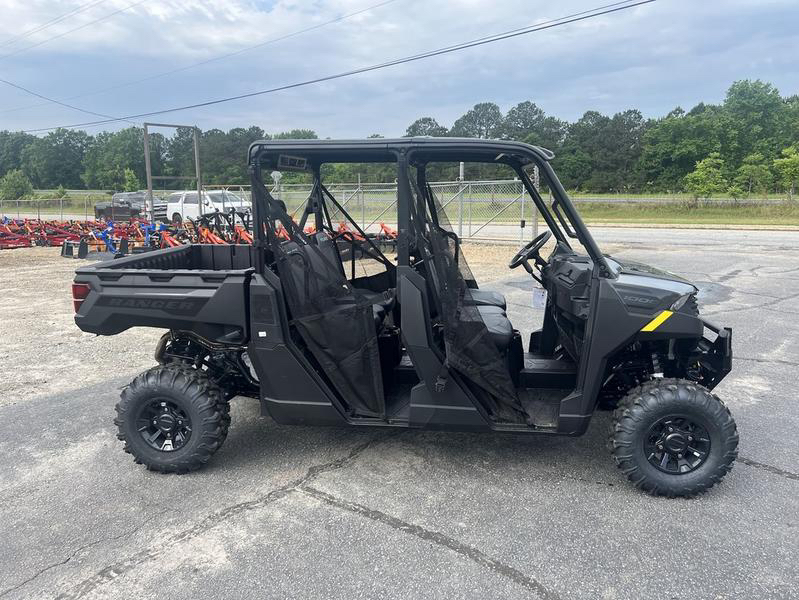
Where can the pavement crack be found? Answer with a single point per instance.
(770, 468)
(77, 551)
(744, 308)
(44, 570)
(112, 571)
(475, 555)
(776, 361)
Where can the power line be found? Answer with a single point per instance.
(38, 95)
(84, 26)
(582, 16)
(51, 22)
(78, 10)
(216, 58)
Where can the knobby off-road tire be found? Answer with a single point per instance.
(172, 418)
(673, 437)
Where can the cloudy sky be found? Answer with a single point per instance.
(653, 57)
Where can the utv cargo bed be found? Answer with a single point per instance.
(200, 288)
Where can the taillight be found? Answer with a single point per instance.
(79, 293)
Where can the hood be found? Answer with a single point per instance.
(646, 287)
(636, 268)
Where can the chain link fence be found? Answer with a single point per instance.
(79, 208)
(475, 209)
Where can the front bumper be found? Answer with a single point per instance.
(715, 355)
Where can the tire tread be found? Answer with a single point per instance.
(634, 409)
(199, 390)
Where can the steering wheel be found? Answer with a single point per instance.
(529, 251)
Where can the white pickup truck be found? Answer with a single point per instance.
(186, 204)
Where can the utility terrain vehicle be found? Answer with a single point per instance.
(414, 343)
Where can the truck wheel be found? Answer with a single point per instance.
(177, 219)
(672, 437)
(172, 419)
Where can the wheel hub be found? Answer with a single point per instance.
(166, 422)
(677, 444)
(164, 425)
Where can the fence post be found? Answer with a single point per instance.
(363, 206)
(470, 210)
(61, 208)
(460, 210)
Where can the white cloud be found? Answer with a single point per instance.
(652, 57)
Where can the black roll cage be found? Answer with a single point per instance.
(309, 155)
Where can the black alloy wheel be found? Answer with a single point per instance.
(677, 444)
(164, 425)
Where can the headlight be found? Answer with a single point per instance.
(680, 302)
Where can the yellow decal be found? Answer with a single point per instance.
(657, 321)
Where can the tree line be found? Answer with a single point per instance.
(747, 145)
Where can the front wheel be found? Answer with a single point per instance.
(172, 419)
(673, 437)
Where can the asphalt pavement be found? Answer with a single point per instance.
(288, 512)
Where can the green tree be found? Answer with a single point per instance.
(131, 182)
(672, 146)
(57, 158)
(753, 175)
(15, 185)
(296, 134)
(707, 178)
(602, 153)
(113, 153)
(224, 155)
(527, 122)
(425, 126)
(755, 112)
(788, 169)
(12, 145)
(735, 192)
(482, 121)
(179, 154)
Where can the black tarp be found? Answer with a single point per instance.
(334, 321)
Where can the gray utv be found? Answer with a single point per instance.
(413, 341)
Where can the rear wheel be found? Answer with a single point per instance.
(673, 437)
(172, 419)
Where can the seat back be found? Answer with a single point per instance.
(328, 248)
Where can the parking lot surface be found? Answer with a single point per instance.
(286, 512)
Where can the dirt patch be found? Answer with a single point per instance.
(43, 351)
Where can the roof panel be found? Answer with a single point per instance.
(385, 150)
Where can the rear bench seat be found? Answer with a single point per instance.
(491, 305)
